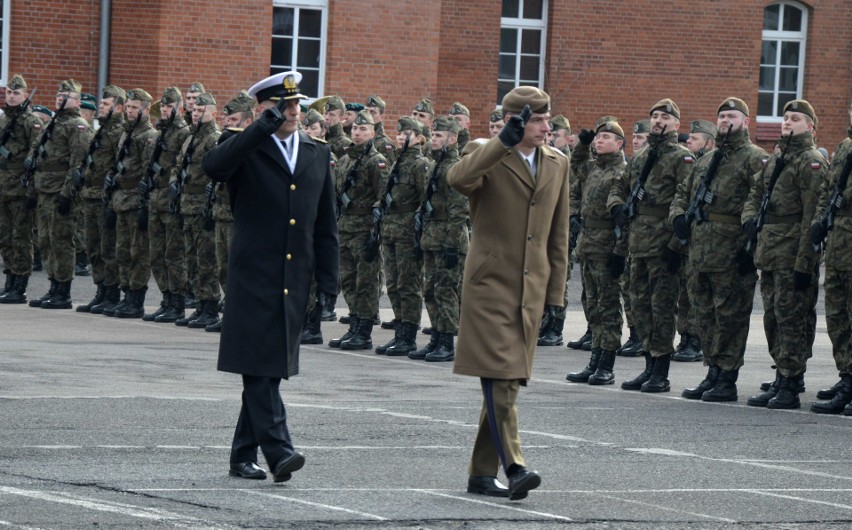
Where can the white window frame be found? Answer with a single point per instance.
(780, 36)
(320, 5)
(4, 62)
(522, 24)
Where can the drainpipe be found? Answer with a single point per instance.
(103, 46)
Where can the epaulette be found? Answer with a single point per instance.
(318, 140)
(235, 129)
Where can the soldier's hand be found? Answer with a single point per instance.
(750, 230)
(574, 225)
(681, 227)
(378, 215)
(801, 280)
(450, 257)
(143, 186)
(29, 164)
(513, 131)
(673, 260)
(271, 119)
(615, 265)
(77, 178)
(745, 263)
(586, 136)
(619, 215)
(174, 190)
(818, 232)
(32, 202)
(142, 220)
(110, 218)
(63, 205)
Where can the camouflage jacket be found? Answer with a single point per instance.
(103, 158)
(446, 225)
(407, 195)
(650, 231)
(367, 189)
(714, 244)
(143, 140)
(338, 142)
(159, 198)
(64, 152)
(192, 199)
(384, 144)
(590, 185)
(784, 242)
(838, 251)
(21, 142)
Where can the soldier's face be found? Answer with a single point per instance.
(660, 119)
(291, 123)
(560, 138)
(639, 141)
(362, 133)
(423, 117)
(572, 140)
(72, 100)
(190, 100)
(376, 113)
(607, 142)
(443, 138)
(15, 97)
(536, 130)
(315, 130)
(166, 109)
(696, 142)
(463, 120)
(494, 128)
(402, 135)
(332, 117)
(105, 105)
(796, 123)
(203, 113)
(349, 117)
(132, 109)
(731, 120)
(236, 120)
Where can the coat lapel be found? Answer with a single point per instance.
(268, 146)
(307, 153)
(547, 168)
(519, 168)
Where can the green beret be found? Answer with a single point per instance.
(800, 105)
(88, 101)
(733, 104)
(458, 108)
(171, 95)
(445, 123)
(204, 99)
(69, 85)
(407, 123)
(703, 126)
(496, 115)
(604, 119)
(196, 87)
(42, 110)
(519, 97)
(242, 103)
(425, 105)
(560, 122)
(112, 91)
(16, 83)
(375, 101)
(357, 107)
(642, 127)
(668, 106)
(303, 108)
(363, 118)
(610, 126)
(334, 103)
(312, 117)
(139, 94)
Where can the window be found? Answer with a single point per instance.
(298, 41)
(782, 58)
(522, 44)
(4, 41)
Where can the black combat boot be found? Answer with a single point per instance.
(761, 400)
(552, 336)
(407, 341)
(842, 397)
(100, 296)
(209, 315)
(580, 344)
(691, 351)
(583, 375)
(426, 331)
(329, 314)
(18, 293)
(764, 386)
(637, 382)
(312, 334)
(603, 374)
(390, 324)
(110, 311)
(787, 396)
(112, 295)
(659, 380)
(633, 346)
(445, 351)
(828, 393)
(362, 338)
(187, 319)
(36, 302)
(10, 278)
(135, 307)
(345, 319)
(175, 311)
(166, 302)
(190, 302)
(725, 388)
(353, 323)
(217, 327)
(38, 265)
(705, 385)
(81, 264)
(382, 348)
(61, 298)
(434, 338)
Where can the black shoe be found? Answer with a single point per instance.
(111, 298)
(705, 385)
(405, 343)
(603, 373)
(659, 380)
(445, 352)
(345, 320)
(353, 323)
(309, 337)
(247, 470)
(552, 336)
(633, 346)
(583, 375)
(361, 339)
(186, 320)
(36, 302)
(217, 328)
(521, 481)
(390, 324)
(174, 312)
(691, 351)
(828, 393)
(135, 306)
(61, 298)
(100, 296)
(761, 400)
(725, 388)
(488, 486)
(764, 386)
(426, 331)
(637, 382)
(209, 315)
(17, 294)
(164, 305)
(579, 344)
(81, 267)
(419, 355)
(787, 396)
(842, 398)
(285, 468)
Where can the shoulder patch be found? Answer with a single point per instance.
(82, 127)
(815, 165)
(234, 129)
(382, 165)
(688, 160)
(36, 125)
(388, 147)
(318, 140)
(332, 163)
(764, 161)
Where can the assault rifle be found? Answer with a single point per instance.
(9, 130)
(631, 207)
(343, 198)
(207, 209)
(46, 135)
(836, 201)
(78, 176)
(704, 195)
(154, 168)
(183, 173)
(111, 179)
(387, 198)
(426, 208)
(760, 220)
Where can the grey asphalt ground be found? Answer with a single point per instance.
(110, 423)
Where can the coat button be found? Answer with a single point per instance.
(532, 203)
(292, 222)
(529, 237)
(286, 292)
(526, 272)
(289, 257)
(292, 187)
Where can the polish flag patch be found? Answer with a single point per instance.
(764, 161)
(82, 127)
(388, 147)
(815, 165)
(688, 160)
(382, 165)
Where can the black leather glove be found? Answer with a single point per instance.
(450, 257)
(174, 190)
(63, 205)
(371, 249)
(142, 220)
(550, 312)
(619, 215)
(615, 265)
(32, 202)
(272, 118)
(681, 228)
(673, 260)
(745, 263)
(818, 232)
(513, 131)
(109, 182)
(29, 164)
(110, 218)
(574, 225)
(801, 280)
(143, 186)
(77, 178)
(750, 230)
(586, 136)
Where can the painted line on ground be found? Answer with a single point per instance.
(802, 499)
(666, 508)
(319, 505)
(495, 505)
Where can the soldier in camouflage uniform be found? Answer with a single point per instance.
(495, 122)
(100, 238)
(789, 267)
(722, 280)
(63, 152)
(838, 276)
(314, 124)
(403, 267)
(338, 142)
(187, 186)
(131, 239)
(444, 243)
(359, 276)
(655, 252)
(88, 111)
(461, 114)
(602, 256)
(424, 112)
(192, 93)
(16, 220)
(383, 143)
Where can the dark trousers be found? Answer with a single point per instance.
(262, 423)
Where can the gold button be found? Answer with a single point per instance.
(289, 257)
(292, 187)
(292, 222)
(286, 292)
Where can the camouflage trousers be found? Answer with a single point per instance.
(838, 316)
(16, 236)
(686, 321)
(403, 280)
(168, 261)
(653, 295)
(441, 292)
(131, 251)
(359, 279)
(789, 320)
(200, 245)
(223, 243)
(79, 224)
(722, 303)
(100, 242)
(602, 298)
(624, 284)
(55, 239)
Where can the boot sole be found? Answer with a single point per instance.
(720, 399)
(602, 383)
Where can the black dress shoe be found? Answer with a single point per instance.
(285, 468)
(489, 486)
(522, 481)
(247, 470)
